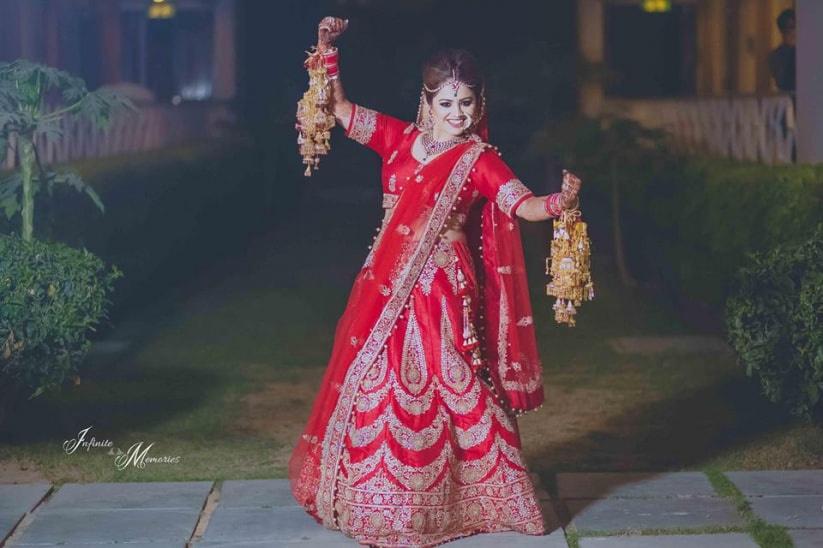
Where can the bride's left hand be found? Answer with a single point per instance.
(569, 190)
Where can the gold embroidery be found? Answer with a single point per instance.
(377, 373)
(413, 370)
(454, 370)
(333, 438)
(445, 257)
(415, 404)
(363, 125)
(509, 193)
(464, 403)
(389, 200)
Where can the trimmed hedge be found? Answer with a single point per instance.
(775, 323)
(707, 216)
(689, 222)
(51, 298)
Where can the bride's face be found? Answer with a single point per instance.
(453, 112)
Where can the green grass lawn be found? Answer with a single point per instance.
(222, 373)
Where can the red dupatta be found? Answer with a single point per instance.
(378, 298)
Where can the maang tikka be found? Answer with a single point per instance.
(424, 121)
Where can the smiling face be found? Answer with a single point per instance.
(453, 111)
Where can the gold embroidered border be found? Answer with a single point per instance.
(509, 193)
(389, 200)
(363, 125)
(335, 432)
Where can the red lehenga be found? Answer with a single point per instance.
(409, 443)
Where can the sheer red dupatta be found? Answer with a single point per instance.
(510, 352)
(377, 299)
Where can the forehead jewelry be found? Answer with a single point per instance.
(454, 82)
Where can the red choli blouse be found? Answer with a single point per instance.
(392, 139)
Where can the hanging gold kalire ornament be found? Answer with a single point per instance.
(314, 117)
(569, 266)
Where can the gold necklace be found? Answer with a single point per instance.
(433, 146)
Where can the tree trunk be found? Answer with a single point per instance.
(26, 153)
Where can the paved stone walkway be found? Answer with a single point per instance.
(605, 510)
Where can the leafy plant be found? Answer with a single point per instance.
(51, 296)
(775, 323)
(24, 89)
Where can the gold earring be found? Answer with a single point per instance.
(419, 119)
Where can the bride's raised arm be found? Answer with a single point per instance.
(376, 130)
(328, 31)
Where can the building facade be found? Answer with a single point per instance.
(699, 68)
(175, 59)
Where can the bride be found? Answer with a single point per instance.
(412, 439)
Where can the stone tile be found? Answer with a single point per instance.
(341, 542)
(555, 539)
(21, 497)
(633, 485)
(790, 511)
(282, 524)
(106, 545)
(616, 514)
(725, 540)
(807, 538)
(15, 500)
(96, 526)
(778, 482)
(256, 494)
(108, 496)
(8, 521)
(650, 346)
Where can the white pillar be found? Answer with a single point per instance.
(809, 14)
(224, 50)
(590, 38)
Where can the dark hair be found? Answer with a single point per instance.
(438, 68)
(784, 18)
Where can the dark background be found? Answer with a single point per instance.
(526, 49)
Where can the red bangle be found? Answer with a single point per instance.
(330, 59)
(552, 205)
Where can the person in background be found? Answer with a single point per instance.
(782, 58)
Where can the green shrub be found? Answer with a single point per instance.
(51, 297)
(775, 323)
(689, 222)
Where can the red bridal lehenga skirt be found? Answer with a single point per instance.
(430, 455)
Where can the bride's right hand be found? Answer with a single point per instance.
(329, 30)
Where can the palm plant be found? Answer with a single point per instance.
(24, 88)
